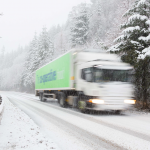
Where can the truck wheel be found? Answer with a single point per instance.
(43, 100)
(41, 96)
(62, 99)
(118, 112)
(57, 97)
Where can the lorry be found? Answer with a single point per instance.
(88, 80)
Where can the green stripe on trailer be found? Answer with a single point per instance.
(56, 74)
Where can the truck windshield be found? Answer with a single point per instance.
(106, 75)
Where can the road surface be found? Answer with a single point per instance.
(71, 129)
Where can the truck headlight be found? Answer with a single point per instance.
(129, 101)
(96, 101)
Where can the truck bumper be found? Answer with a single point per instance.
(111, 103)
(110, 107)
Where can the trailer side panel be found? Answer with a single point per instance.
(55, 75)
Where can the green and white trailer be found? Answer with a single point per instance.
(87, 80)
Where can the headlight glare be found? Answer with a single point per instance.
(129, 101)
(96, 101)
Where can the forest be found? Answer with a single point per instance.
(116, 26)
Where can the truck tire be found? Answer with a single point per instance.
(62, 99)
(118, 112)
(57, 96)
(41, 96)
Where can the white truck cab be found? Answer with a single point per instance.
(106, 79)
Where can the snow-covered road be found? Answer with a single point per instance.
(18, 131)
(73, 130)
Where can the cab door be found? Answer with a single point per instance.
(84, 79)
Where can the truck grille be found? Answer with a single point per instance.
(114, 101)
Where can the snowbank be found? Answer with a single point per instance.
(18, 131)
(1, 106)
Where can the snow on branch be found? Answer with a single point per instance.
(141, 2)
(125, 33)
(121, 37)
(145, 38)
(130, 29)
(137, 16)
(145, 52)
(135, 43)
(114, 47)
(148, 22)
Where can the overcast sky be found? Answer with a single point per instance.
(22, 18)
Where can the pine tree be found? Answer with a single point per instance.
(40, 52)
(114, 31)
(135, 34)
(105, 16)
(134, 44)
(31, 64)
(45, 48)
(79, 28)
(95, 23)
(33, 59)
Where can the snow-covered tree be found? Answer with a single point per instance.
(136, 33)
(79, 17)
(61, 42)
(40, 52)
(46, 47)
(134, 44)
(95, 23)
(12, 70)
(32, 62)
(114, 31)
(104, 21)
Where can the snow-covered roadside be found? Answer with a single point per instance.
(1, 106)
(18, 131)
